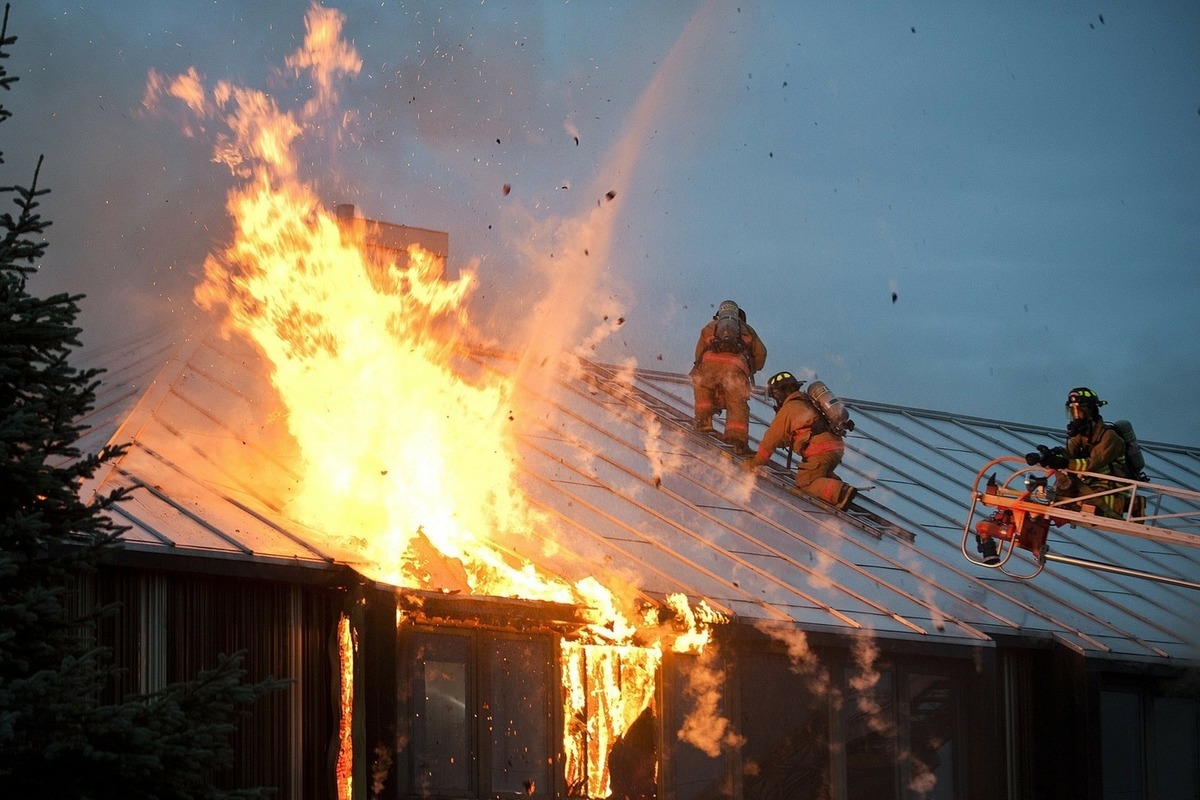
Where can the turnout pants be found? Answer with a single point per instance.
(717, 385)
(815, 474)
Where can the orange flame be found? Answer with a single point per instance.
(605, 690)
(399, 448)
(347, 644)
(406, 453)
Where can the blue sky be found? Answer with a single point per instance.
(1020, 176)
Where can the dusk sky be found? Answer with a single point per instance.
(964, 206)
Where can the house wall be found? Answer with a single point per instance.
(844, 722)
(170, 625)
(455, 708)
(906, 722)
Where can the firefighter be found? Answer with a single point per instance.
(801, 426)
(728, 353)
(1092, 446)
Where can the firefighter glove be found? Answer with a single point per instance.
(1054, 460)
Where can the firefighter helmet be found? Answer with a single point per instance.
(780, 385)
(1083, 409)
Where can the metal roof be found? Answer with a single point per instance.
(610, 457)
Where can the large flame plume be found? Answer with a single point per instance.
(407, 453)
(398, 445)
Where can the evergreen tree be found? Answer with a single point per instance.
(57, 738)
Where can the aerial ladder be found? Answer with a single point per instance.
(1017, 514)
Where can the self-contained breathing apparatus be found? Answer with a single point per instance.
(831, 408)
(727, 336)
(827, 404)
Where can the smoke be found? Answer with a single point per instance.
(567, 256)
(704, 727)
(572, 255)
(381, 765)
(927, 589)
(864, 652)
(804, 661)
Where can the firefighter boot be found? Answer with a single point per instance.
(740, 447)
(847, 494)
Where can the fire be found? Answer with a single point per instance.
(596, 719)
(347, 645)
(407, 454)
(394, 440)
(398, 445)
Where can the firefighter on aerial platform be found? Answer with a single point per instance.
(728, 354)
(1092, 446)
(799, 424)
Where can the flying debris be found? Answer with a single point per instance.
(577, 141)
(894, 296)
(610, 195)
(507, 188)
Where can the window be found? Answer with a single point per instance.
(902, 727)
(871, 732)
(442, 715)
(933, 727)
(1175, 748)
(1149, 745)
(481, 714)
(517, 718)
(885, 732)
(786, 753)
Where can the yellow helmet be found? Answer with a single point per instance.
(780, 385)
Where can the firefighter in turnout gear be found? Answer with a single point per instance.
(1092, 446)
(728, 354)
(799, 424)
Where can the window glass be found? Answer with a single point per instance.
(932, 727)
(1121, 745)
(870, 713)
(518, 716)
(697, 773)
(1176, 752)
(442, 714)
(786, 752)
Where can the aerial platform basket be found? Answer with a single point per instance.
(1022, 510)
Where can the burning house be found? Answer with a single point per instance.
(495, 573)
(643, 619)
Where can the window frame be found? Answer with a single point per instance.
(480, 709)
